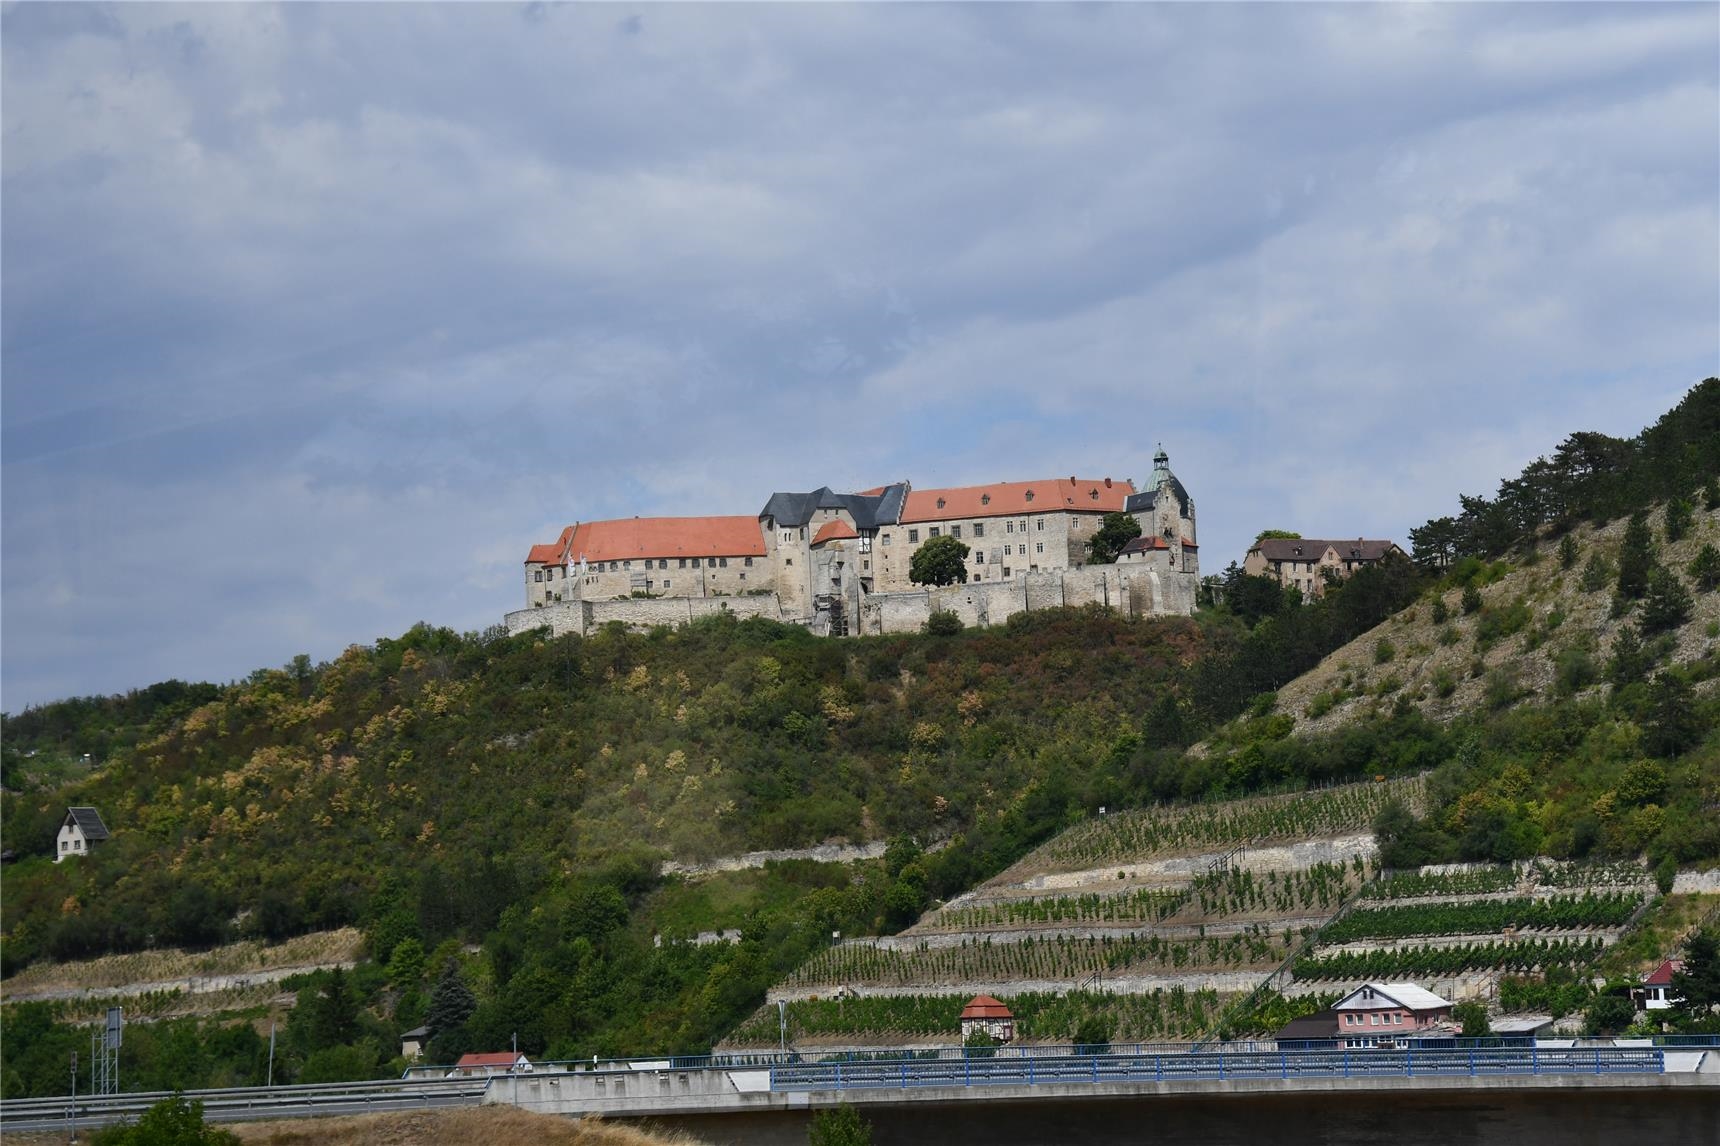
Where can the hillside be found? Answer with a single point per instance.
(540, 836)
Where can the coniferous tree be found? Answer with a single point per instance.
(1674, 724)
(451, 1002)
(1678, 515)
(1711, 494)
(1667, 603)
(1630, 661)
(1471, 598)
(1567, 552)
(1705, 569)
(1636, 558)
(1697, 985)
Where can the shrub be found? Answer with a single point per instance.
(1597, 574)
(1636, 558)
(1473, 1016)
(1439, 612)
(1567, 552)
(1449, 636)
(1574, 670)
(1471, 599)
(1384, 651)
(1443, 683)
(1608, 1014)
(839, 1126)
(171, 1122)
(943, 623)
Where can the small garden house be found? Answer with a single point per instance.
(984, 1013)
(81, 828)
(1655, 994)
(500, 1062)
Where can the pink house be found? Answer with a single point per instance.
(1380, 1014)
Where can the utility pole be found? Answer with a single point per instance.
(72, 1106)
(271, 1081)
(782, 1024)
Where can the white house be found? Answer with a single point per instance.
(81, 828)
(984, 1013)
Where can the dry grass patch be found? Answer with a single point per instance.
(489, 1125)
(234, 959)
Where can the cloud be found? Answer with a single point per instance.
(317, 316)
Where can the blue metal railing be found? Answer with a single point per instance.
(1069, 1069)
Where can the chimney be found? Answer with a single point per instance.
(1107, 483)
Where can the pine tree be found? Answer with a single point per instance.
(1567, 552)
(1629, 662)
(451, 1002)
(1705, 569)
(1667, 604)
(1674, 725)
(1678, 514)
(1471, 599)
(1697, 986)
(1636, 558)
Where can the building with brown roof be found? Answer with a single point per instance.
(1306, 563)
(984, 1013)
(822, 558)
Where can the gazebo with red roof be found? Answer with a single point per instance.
(984, 1013)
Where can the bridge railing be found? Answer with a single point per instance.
(87, 1109)
(1206, 1065)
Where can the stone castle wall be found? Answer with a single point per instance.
(584, 617)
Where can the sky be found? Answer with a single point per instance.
(314, 318)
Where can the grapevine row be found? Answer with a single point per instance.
(1481, 917)
(1523, 955)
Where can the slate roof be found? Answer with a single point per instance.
(875, 507)
(1319, 1025)
(1406, 995)
(89, 821)
(1147, 499)
(1311, 549)
(1008, 499)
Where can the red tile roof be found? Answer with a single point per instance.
(633, 537)
(1006, 499)
(837, 530)
(985, 1007)
(555, 553)
(1662, 975)
(496, 1058)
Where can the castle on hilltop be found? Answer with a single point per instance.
(838, 562)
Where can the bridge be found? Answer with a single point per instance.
(757, 1083)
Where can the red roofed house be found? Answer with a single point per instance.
(984, 1013)
(500, 1062)
(1655, 994)
(661, 556)
(1380, 1014)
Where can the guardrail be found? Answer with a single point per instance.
(238, 1103)
(1094, 1069)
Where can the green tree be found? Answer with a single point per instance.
(451, 1003)
(1276, 534)
(1635, 558)
(1567, 552)
(1678, 515)
(1608, 1015)
(1630, 661)
(1697, 986)
(1115, 531)
(406, 963)
(1666, 604)
(1471, 598)
(1705, 569)
(1711, 494)
(1473, 1016)
(839, 1126)
(171, 1122)
(940, 561)
(1674, 725)
(1093, 1033)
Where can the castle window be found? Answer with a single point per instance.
(680, 562)
(743, 576)
(667, 584)
(1007, 550)
(1029, 495)
(803, 533)
(934, 531)
(885, 541)
(710, 562)
(538, 576)
(1093, 494)
(723, 561)
(1009, 527)
(1039, 547)
(955, 531)
(865, 565)
(985, 499)
(614, 566)
(1041, 523)
(749, 562)
(663, 563)
(979, 529)
(940, 503)
(1024, 525)
(913, 537)
(628, 565)
(788, 561)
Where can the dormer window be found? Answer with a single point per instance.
(985, 499)
(1093, 494)
(1029, 495)
(940, 503)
